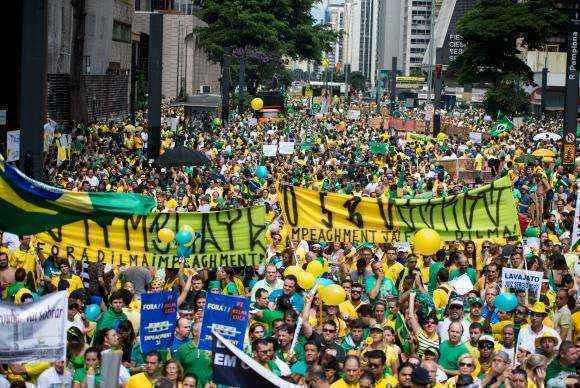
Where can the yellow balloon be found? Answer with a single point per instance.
(165, 235)
(315, 268)
(171, 204)
(441, 136)
(306, 280)
(257, 103)
(293, 270)
(333, 295)
(426, 241)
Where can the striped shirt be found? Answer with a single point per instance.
(426, 342)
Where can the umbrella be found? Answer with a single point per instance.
(547, 136)
(541, 152)
(182, 156)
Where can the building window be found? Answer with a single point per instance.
(121, 32)
(87, 64)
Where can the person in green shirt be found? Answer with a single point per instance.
(566, 361)
(20, 283)
(463, 268)
(114, 314)
(434, 268)
(452, 349)
(92, 364)
(194, 361)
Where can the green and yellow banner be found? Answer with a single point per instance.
(226, 238)
(482, 213)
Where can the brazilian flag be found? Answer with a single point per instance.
(30, 207)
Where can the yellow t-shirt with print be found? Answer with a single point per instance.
(23, 259)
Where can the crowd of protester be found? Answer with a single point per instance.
(402, 323)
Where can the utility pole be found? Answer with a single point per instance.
(438, 89)
(226, 84)
(393, 96)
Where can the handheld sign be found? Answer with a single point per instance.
(158, 314)
(521, 279)
(227, 315)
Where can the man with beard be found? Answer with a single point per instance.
(455, 314)
(353, 341)
(351, 372)
(354, 301)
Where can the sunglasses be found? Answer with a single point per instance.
(485, 346)
(328, 330)
(465, 364)
(431, 322)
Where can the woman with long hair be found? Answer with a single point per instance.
(173, 371)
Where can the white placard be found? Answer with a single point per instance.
(253, 121)
(487, 118)
(518, 121)
(269, 149)
(174, 122)
(462, 284)
(286, 147)
(353, 114)
(520, 279)
(475, 137)
(12, 146)
(35, 331)
(49, 129)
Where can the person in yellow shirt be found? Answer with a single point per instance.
(74, 281)
(25, 257)
(150, 375)
(391, 267)
(351, 371)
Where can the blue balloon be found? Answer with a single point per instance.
(324, 282)
(92, 312)
(506, 301)
(262, 172)
(183, 237)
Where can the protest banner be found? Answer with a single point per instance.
(286, 147)
(226, 315)
(485, 212)
(234, 368)
(158, 314)
(521, 279)
(226, 238)
(12, 146)
(35, 331)
(269, 150)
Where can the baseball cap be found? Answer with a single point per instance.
(486, 338)
(475, 300)
(456, 302)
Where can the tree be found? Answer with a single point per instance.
(495, 30)
(264, 32)
(358, 81)
(507, 98)
(78, 104)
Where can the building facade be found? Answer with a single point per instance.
(334, 17)
(390, 32)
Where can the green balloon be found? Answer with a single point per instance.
(532, 232)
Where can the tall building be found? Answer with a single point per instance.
(362, 37)
(417, 33)
(334, 17)
(186, 67)
(390, 31)
(106, 57)
(446, 36)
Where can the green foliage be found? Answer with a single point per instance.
(358, 81)
(264, 32)
(494, 31)
(507, 98)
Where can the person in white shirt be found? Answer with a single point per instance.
(55, 376)
(455, 314)
(269, 283)
(529, 333)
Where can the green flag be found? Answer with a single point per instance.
(378, 147)
(503, 125)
